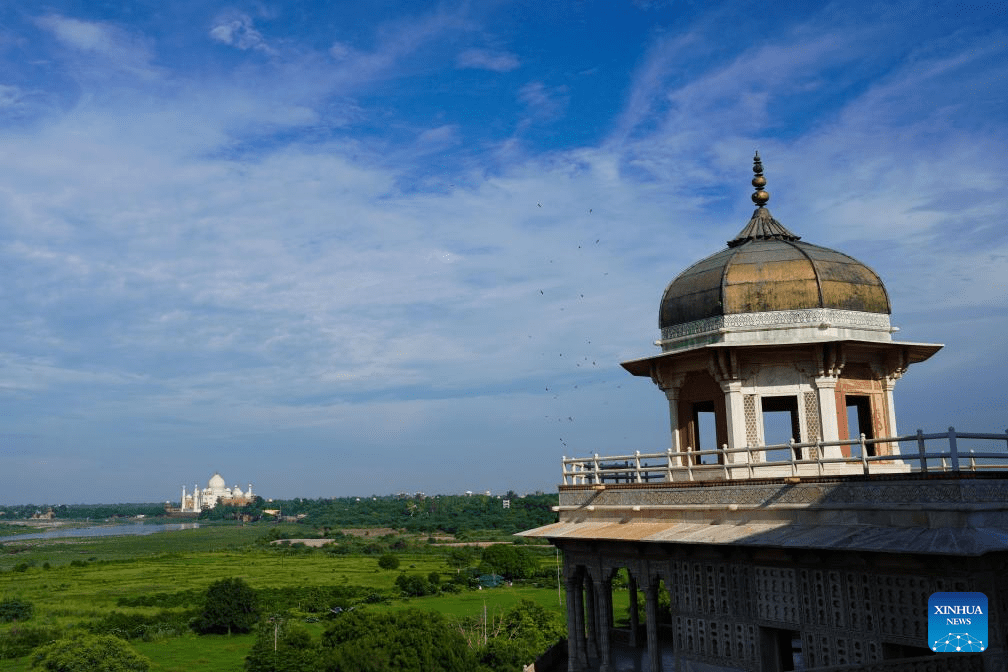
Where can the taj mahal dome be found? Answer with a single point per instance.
(215, 492)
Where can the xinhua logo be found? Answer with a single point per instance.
(957, 622)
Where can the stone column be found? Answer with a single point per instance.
(579, 624)
(826, 391)
(604, 621)
(651, 606)
(888, 383)
(672, 394)
(736, 421)
(573, 599)
(591, 612)
(634, 620)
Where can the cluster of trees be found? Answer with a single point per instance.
(452, 514)
(252, 511)
(83, 511)
(510, 561)
(416, 585)
(407, 641)
(418, 514)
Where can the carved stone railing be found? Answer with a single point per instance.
(912, 453)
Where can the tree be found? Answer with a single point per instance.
(460, 557)
(281, 647)
(512, 562)
(231, 606)
(414, 585)
(89, 653)
(388, 561)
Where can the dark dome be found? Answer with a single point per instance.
(767, 268)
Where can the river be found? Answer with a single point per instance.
(101, 531)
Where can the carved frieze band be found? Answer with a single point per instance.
(784, 318)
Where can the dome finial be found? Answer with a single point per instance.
(760, 196)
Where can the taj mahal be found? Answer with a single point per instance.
(215, 492)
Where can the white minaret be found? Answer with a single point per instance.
(182, 505)
(249, 493)
(196, 498)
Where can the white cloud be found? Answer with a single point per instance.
(240, 32)
(543, 102)
(395, 41)
(116, 47)
(434, 139)
(483, 59)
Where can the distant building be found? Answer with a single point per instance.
(215, 493)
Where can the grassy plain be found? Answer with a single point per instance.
(74, 582)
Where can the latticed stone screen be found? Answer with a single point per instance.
(812, 420)
(751, 421)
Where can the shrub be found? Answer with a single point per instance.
(404, 640)
(181, 598)
(388, 561)
(149, 628)
(19, 641)
(89, 653)
(231, 606)
(283, 647)
(13, 609)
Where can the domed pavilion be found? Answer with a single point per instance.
(787, 525)
(773, 324)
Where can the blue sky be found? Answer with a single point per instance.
(345, 248)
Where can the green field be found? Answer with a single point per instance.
(75, 583)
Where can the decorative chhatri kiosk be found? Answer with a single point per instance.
(817, 552)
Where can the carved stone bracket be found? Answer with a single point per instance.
(895, 366)
(667, 382)
(723, 366)
(831, 358)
